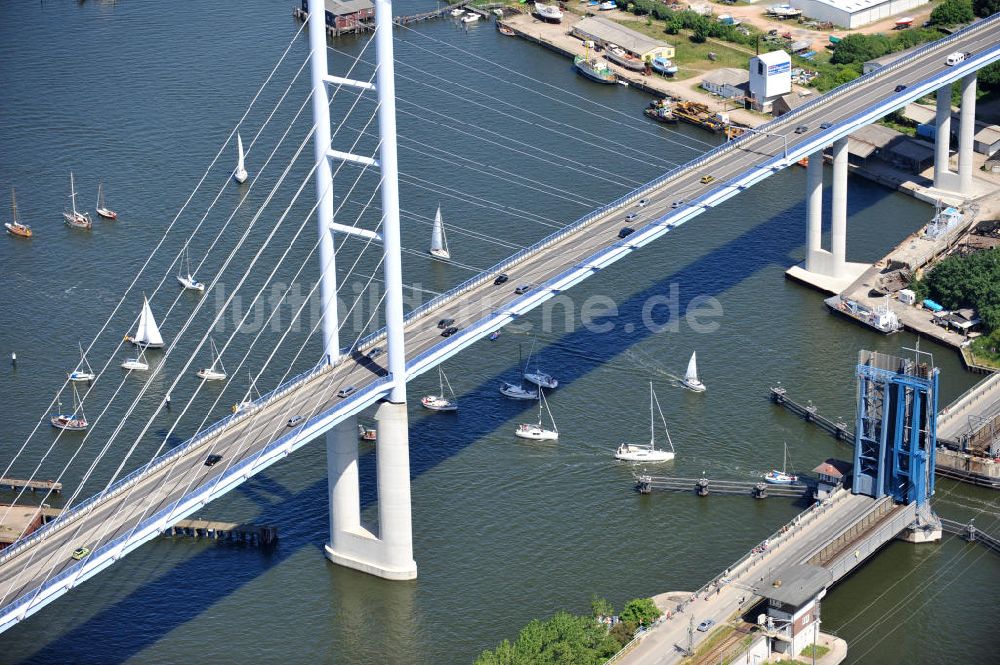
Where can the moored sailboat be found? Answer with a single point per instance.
(439, 241)
(186, 279)
(638, 452)
(147, 334)
(536, 432)
(691, 381)
(538, 377)
(782, 477)
(211, 373)
(103, 209)
(75, 421)
(75, 218)
(240, 174)
(440, 402)
(81, 374)
(14, 226)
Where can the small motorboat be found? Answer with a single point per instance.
(458, 11)
(495, 335)
(103, 209)
(549, 13)
(14, 227)
(135, 364)
(639, 452)
(595, 69)
(471, 17)
(608, 5)
(664, 66)
(504, 30)
(367, 433)
(517, 392)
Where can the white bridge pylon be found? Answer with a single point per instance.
(389, 552)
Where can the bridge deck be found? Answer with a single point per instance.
(39, 569)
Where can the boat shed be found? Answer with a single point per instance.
(987, 140)
(604, 31)
(789, 102)
(854, 13)
(890, 146)
(347, 15)
(727, 82)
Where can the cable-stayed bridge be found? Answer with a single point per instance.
(136, 508)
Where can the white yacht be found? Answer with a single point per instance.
(638, 452)
(535, 431)
(440, 402)
(213, 373)
(691, 381)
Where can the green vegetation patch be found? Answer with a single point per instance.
(816, 650)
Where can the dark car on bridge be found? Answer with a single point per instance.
(501, 278)
(212, 460)
(802, 129)
(900, 88)
(448, 332)
(626, 231)
(444, 323)
(375, 353)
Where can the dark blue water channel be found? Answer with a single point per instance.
(512, 145)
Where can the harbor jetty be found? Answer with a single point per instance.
(14, 484)
(255, 534)
(645, 484)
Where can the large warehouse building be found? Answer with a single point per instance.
(854, 13)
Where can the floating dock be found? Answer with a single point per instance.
(33, 485)
(243, 533)
(645, 484)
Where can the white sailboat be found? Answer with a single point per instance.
(637, 452)
(536, 432)
(440, 402)
(146, 333)
(538, 377)
(249, 398)
(439, 242)
(73, 422)
(240, 174)
(211, 373)
(186, 279)
(81, 374)
(518, 391)
(102, 209)
(691, 381)
(776, 477)
(75, 218)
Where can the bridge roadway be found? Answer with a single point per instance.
(798, 543)
(37, 570)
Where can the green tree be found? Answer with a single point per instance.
(600, 607)
(985, 8)
(952, 12)
(968, 281)
(699, 36)
(564, 639)
(859, 48)
(642, 611)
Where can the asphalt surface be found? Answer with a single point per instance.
(33, 566)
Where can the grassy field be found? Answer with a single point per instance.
(692, 59)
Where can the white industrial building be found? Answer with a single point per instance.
(770, 78)
(727, 82)
(854, 13)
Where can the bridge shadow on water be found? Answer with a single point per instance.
(123, 629)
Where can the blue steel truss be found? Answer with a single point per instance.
(896, 428)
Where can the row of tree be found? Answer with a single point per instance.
(568, 639)
(967, 281)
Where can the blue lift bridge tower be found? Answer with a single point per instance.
(897, 432)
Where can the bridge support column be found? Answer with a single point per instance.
(966, 134)
(389, 554)
(817, 258)
(838, 210)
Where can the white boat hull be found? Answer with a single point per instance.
(190, 283)
(82, 377)
(441, 253)
(632, 453)
(535, 433)
(240, 175)
(542, 380)
(209, 374)
(693, 384)
(435, 403)
(69, 423)
(135, 365)
(517, 392)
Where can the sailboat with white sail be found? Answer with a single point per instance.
(83, 371)
(535, 431)
(102, 209)
(147, 334)
(782, 477)
(691, 381)
(441, 402)
(186, 279)
(638, 452)
(249, 397)
(216, 372)
(240, 174)
(75, 421)
(439, 242)
(75, 218)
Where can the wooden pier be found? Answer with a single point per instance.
(243, 533)
(33, 485)
(838, 428)
(645, 484)
(969, 533)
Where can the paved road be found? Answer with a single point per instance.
(32, 566)
(983, 405)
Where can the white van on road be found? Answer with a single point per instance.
(955, 58)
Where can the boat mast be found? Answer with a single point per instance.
(13, 203)
(100, 194)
